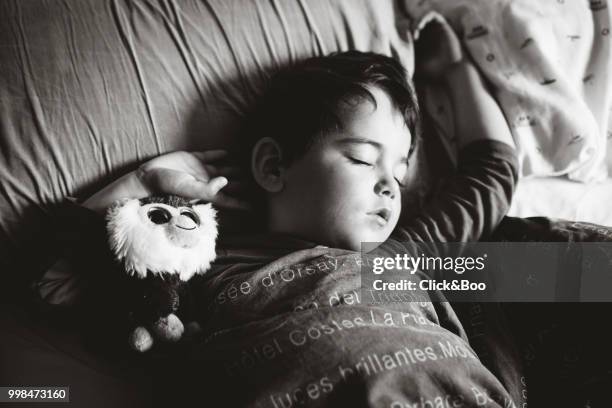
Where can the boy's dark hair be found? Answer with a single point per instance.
(303, 102)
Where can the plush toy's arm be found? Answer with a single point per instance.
(153, 297)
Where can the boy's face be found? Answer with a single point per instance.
(345, 190)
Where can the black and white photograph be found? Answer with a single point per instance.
(305, 203)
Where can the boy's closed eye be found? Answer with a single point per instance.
(400, 174)
(361, 162)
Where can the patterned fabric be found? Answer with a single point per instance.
(543, 229)
(549, 62)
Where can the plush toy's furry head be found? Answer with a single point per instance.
(162, 235)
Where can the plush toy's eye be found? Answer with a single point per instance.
(159, 215)
(192, 215)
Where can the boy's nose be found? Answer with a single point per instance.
(385, 188)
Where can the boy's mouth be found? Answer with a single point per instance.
(383, 215)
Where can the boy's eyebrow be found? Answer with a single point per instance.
(362, 140)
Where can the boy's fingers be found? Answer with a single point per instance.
(216, 184)
(168, 181)
(190, 187)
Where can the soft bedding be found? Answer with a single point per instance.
(295, 329)
(285, 324)
(276, 324)
(276, 312)
(550, 65)
(557, 197)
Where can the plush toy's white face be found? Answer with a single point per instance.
(162, 238)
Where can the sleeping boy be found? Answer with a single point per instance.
(330, 147)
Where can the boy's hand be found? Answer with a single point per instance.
(193, 175)
(437, 50)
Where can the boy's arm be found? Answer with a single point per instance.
(193, 175)
(440, 58)
(470, 204)
(476, 114)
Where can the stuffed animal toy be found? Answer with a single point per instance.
(160, 243)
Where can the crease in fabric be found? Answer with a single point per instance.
(177, 32)
(286, 32)
(268, 37)
(126, 38)
(232, 49)
(312, 26)
(39, 121)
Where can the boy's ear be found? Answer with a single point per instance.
(266, 165)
